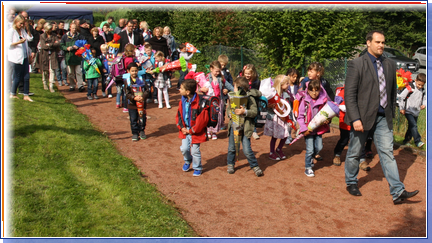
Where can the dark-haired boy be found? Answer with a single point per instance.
(192, 124)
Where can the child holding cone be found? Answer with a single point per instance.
(315, 99)
(276, 127)
(162, 82)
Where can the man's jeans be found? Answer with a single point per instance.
(412, 129)
(313, 147)
(383, 138)
(247, 150)
(191, 152)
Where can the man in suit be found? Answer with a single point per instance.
(129, 36)
(370, 96)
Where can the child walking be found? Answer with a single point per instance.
(315, 99)
(92, 76)
(127, 58)
(251, 75)
(275, 127)
(137, 124)
(162, 82)
(191, 126)
(343, 128)
(316, 71)
(249, 112)
(187, 56)
(104, 61)
(223, 60)
(410, 104)
(149, 79)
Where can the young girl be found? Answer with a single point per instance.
(250, 73)
(127, 58)
(316, 71)
(275, 126)
(218, 84)
(162, 82)
(315, 99)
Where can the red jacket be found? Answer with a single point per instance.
(340, 91)
(198, 122)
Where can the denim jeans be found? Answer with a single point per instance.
(383, 138)
(313, 147)
(181, 78)
(61, 71)
(20, 74)
(136, 125)
(247, 150)
(412, 129)
(92, 84)
(191, 152)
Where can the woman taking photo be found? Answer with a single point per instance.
(48, 62)
(19, 54)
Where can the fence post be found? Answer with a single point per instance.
(241, 55)
(220, 49)
(345, 59)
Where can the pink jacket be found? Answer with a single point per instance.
(305, 117)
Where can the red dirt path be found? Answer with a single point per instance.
(282, 203)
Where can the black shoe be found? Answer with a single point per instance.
(405, 195)
(71, 89)
(353, 190)
(81, 89)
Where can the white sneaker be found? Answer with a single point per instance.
(109, 96)
(309, 172)
(255, 135)
(103, 94)
(155, 101)
(288, 141)
(160, 106)
(168, 106)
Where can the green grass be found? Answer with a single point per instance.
(68, 180)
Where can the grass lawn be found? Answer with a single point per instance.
(68, 180)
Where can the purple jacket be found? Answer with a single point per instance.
(305, 117)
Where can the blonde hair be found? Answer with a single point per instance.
(94, 29)
(158, 28)
(143, 24)
(47, 27)
(278, 82)
(167, 28)
(104, 47)
(252, 68)
(17, 19)
(223, 59)
(160, 55)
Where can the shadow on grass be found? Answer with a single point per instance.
(29, 129)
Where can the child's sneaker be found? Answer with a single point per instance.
(142, 135)
(186, 167)
(209, 135)
(125, 110)
(96, 97)
(255, 135)
(109, 96)
(274, 156)
(258, 171)
(336, 161)
(230, 169)
(60, 83)
(89, 97)
(160, 106)
(214, 137)
(135, 137)
(168, 106)
(197, 172)
(155, 101)
(309, 172)
(288, 141)
(118, 106)
(281, 154)
(148, 101)
(65, 83)
(103, 94)
(420, 144)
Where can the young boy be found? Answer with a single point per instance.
(136, 101)
(191, 125)
(250, 113)
(223, 60)
(149, 79)
(187, 56)
(104, 61)
(410, 104)
(92, 76)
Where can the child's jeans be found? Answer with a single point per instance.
(136, 125)
(92, 86)
(119, 94)
(412, 129)
(313, 147)
(343, 141)
(247, 150)
(191, 152)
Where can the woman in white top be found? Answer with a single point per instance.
(19, 55)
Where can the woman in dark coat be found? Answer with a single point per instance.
(96, 41)
(48, 58)
(158, 42)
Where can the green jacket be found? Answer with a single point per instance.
(66, 41)
(251, 113)
(91, 71)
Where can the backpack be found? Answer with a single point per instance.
(410, 92)
(175, 55)
(261, 117)
(213, 103)
(118, 69)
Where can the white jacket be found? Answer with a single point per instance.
(414, 102)
(15, 53)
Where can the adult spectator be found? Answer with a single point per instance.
(370, 95)
(61, 71)
(120, 27)
(129, 36)
(170, 40)
(73, 62)
(106, 34)
(60, 30)
(48, 56)
(159, 43)
(19, 55)
(34, 44)
(145, 29)
(110, 22)
(84, 29)
(96, 41)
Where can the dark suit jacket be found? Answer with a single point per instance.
(362, 91)
(124, 40)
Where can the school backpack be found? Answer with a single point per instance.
(410, 93)
(118, 69)
(213, 103)
(261, 117)
(175, 55)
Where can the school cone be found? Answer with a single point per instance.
(235, 101)
(191, 48)
(176, 65)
